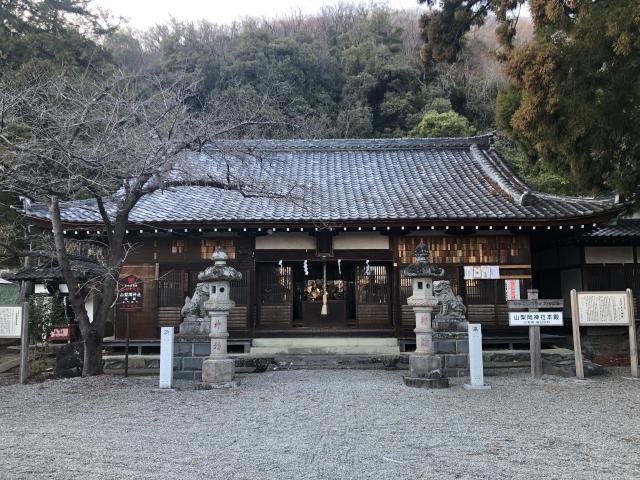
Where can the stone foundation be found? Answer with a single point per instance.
(453, 350)
(189, 353)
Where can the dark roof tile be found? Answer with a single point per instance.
(346, 180)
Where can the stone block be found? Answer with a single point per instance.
(201, 349)
(444, 346)
(455, 361)
(177, 363)
(455, 372)
(191, 376)
(424, 366)
(151, 363)
(183, 349)
(192, 363)
(218, 370)
(442, 382)
(462, 346)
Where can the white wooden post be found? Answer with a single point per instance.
(633, 340)
(535, 344)
(476, 368)
(24, 345)
(166, 357)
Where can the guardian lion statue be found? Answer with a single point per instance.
(452, 306)
(193, 307)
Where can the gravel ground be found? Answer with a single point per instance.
(323, 424)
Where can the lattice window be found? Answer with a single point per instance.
(372, 286)
(451, 249)
(275, 285)
(207, 247)
(178, 246)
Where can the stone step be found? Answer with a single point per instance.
(325, 346)
(323, 341)
(326, 350)
(364, 362)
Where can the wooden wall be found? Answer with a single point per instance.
(484, 298)
(174, 263)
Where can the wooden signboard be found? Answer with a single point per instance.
(14, 323)
(534, 319)
(536, 303)
(11, 321)
(603, 309)
(130, 291)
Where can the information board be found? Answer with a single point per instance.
(10, 321)
(130, 293)
(481, 272)
(603, 308)
(512, 289)
(533, 319)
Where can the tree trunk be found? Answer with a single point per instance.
(91, 331)
(92, 364)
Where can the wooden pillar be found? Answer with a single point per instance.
(577, 346)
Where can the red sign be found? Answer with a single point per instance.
(130, 293)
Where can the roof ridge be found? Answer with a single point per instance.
(496, 169)
(353, 143)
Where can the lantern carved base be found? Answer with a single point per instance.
(194, 326)
(425, 371)
(218, 371)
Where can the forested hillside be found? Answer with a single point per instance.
(348, 71)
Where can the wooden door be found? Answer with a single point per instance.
(373, 306)
(275, 297)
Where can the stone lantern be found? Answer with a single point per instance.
(425, 368)
(218, 369)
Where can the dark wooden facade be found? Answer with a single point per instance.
(370, 292)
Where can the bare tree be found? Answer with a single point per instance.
(111, 139)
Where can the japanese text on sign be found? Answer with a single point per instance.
(130, 293)
(512, 289)
(10, 322)
(533, 319)
(603, 308)
(482, 272)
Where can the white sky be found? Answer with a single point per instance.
(145, 13)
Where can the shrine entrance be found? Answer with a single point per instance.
(309, 288)
(290, 295)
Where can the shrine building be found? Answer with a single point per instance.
(301, 217)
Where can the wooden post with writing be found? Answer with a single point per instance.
(633, 341)
(535, 344)
(24, 345)
(577, 344)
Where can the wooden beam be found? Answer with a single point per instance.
(577, 345)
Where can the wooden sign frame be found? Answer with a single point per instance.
(533, 304)
(24, 340)
(577, 344)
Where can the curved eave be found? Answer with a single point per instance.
(597, 217)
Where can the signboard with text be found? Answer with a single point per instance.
(603, 308)
(535, 319)
(485, 272)
(11, 321)
(130, 290)
(512, 289)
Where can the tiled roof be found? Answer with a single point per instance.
(370, 181)
(623, 229)
(82, 267)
